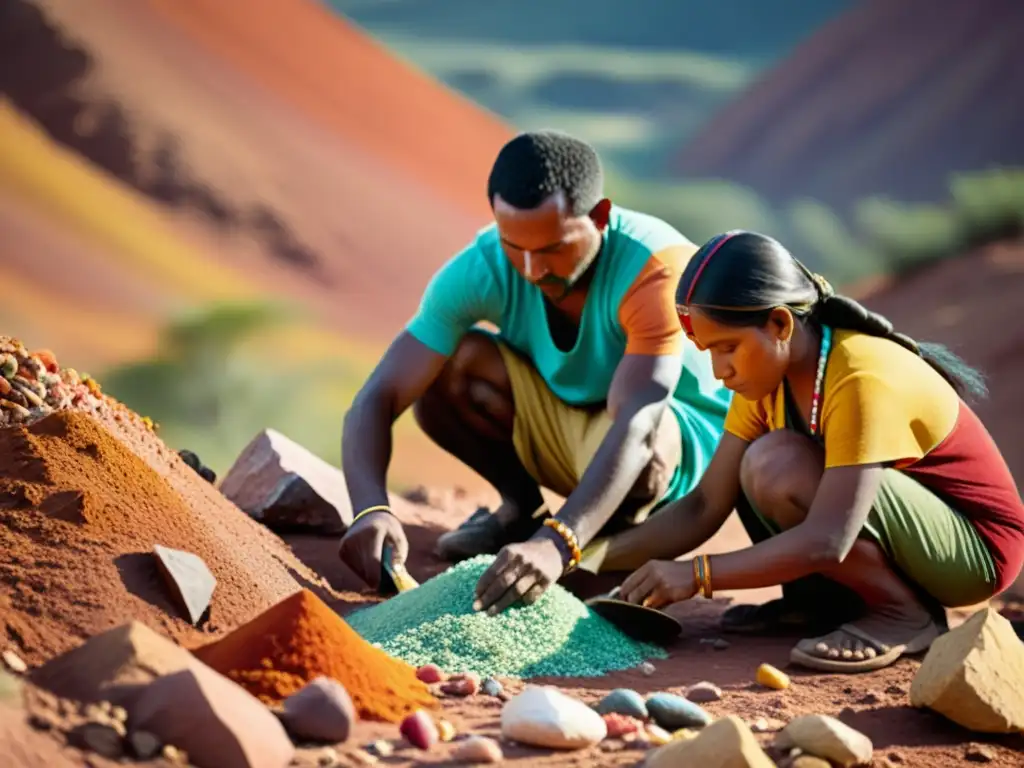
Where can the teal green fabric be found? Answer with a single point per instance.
(479, 284)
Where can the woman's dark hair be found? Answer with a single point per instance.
(738, 278)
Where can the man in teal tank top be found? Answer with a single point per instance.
(589, 386)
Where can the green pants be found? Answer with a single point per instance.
(932, 544)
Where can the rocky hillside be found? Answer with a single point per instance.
(888, 99)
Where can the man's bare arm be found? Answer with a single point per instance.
(406, 371)
(689, 522)
(637, 401)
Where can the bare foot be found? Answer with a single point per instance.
(875, 641)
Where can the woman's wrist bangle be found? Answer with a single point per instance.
(370, 510)
(702, 575)
(575, 555)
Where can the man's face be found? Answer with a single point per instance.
(547, 245)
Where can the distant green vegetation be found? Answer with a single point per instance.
(886, 237)
(222, 375)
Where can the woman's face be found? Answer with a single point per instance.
(749, 360)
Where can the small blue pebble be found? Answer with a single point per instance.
(491, 687)
(672, 712)
(623, 701)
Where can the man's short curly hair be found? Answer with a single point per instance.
(535, 165)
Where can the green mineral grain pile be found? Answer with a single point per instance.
(558, 636)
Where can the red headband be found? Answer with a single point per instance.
(685, 319)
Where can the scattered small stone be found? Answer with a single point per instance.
(869, 698)
(420, 730)
(895, 690)
(895, 757)
(478, 749)
(445, 730)
(826, 737)
(718, 643)
(979, 753)
(144, 744)
(673, 712)
(684, 734)
(968, 675)
(703, 692)
(430, 674)
(463, 684)
(119, 714)
(725, 743)
(491, 687)
(618, 725)
(14, 662)
(767, 725)
(188, 579)
(321, 710)
(810, 761)
(327, 757)
(172, 754)
(770, 677)
(381, 748)
(623, 701)
(647, 669)
(98, 738)
(546, 717)
(657, 735)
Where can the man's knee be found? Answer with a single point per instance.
(780, 475)
(473, 383)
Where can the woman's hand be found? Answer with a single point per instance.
(659, 583)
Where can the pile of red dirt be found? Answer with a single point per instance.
(80, 513)
(301, 639)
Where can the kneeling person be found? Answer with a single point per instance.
(589, 387)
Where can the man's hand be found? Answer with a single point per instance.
(363, 545)
(521, 573)
(659, 583)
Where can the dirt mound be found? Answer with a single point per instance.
(821, 126)
(300, 639)
(79, 515)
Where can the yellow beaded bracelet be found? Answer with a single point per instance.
(575, 555)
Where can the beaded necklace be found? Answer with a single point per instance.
(819, 379)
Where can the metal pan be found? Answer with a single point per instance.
(645, 624)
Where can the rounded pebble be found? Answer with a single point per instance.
(623, 701)
(445, 730)
(647, 669)
(619, 725)
(478, 749)
(419, 730)
(770, 677)
(657, 735)
(672, 712)
(492, 687)
(430, 673)
(464, 684)
(703, 692)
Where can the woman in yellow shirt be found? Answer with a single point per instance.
(853, 459)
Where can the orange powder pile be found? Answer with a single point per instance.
(300, 639)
